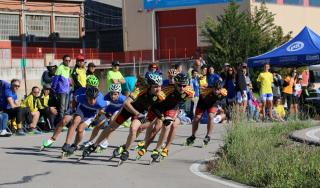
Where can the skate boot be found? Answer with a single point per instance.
(88, 150)
(73, 148)
(154, 156)
(65, 150)
(164, 153)
(123, 157)
(141, 153)
(85, 145)
(47, 144)
(206, 141)
(139, 146)
(190, 140)
(116, 152)
(102, 146)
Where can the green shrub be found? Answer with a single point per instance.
(265, 157)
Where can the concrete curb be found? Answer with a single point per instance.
(198, 168)
(307, 136)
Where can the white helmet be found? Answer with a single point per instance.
(115, 88)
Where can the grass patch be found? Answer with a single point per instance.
(265, 157)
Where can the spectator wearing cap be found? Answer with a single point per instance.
(47, 111)
(78, 74)
(61, 85)
(241, 86)
(91, 69)
(114, 76)
(47, 75)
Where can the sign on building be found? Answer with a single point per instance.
(157, 4)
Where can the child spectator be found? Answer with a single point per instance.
(278, 110)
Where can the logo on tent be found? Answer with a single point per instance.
(296, 46)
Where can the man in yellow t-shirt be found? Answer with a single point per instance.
(266, 79)
(114, 76)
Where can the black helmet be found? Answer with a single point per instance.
(92, 92)
(181, 79)
(218, 84)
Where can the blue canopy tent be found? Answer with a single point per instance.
(302, 50)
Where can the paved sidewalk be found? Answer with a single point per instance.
(309, 136)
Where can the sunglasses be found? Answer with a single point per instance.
(16, 86)
(182, 85)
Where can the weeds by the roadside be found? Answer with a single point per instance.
(265, 157)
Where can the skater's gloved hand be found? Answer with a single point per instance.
(167, 121)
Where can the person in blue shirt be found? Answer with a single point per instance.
(11, 105)
(92, 81)
(88, 106)
(212, 77)
(116, 100)
(196, 88)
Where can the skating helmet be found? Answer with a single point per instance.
(92, 92)
(154, 79)
(93, 81)
(181, 79)
(115, 88)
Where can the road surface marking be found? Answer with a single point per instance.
(194, 168)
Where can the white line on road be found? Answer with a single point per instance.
(194, 168)
(312, 134)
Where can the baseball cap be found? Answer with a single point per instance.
(115, 63)
(51, 64)
(80, 57)
(244, 65)
(91, 65)
(226, 64)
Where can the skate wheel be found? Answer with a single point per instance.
(63, 155)
(80, 158)
(120, 163)
(41, 148)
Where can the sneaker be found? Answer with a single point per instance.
(20, 132)
(5, 133)
(34, 131)
(64, 129)
(165, 152)
(217, 119)
(104, 144)
(48, 143)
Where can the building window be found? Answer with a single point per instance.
(266, 1)
(9, 26)
(314, 3)
(38, 25)
(67, 27)
(293, 2)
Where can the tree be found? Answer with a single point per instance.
(237, 35)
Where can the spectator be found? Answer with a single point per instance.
(265, 79)
(224, 73)
(203, 82)
(130, 82)
(254, 107)
(196, 88)
(178, 68)
(241, 86)
(114, 76)
(91, 69)
(305, 78)
(31, 104)
(61, 86)
(288, 89)
(79, 76)
(48, 74)
(153, 68)
(229, 84)
(196, 66)
(47, 111)
(11, 106)
(279, 112)
(212, 76)
(296, 95)
(277, 84)
(3, 125)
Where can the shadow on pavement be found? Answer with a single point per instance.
(26, 179)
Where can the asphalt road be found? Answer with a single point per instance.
(22, 165)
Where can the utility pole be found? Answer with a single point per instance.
(24, 45)
(153, 35)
